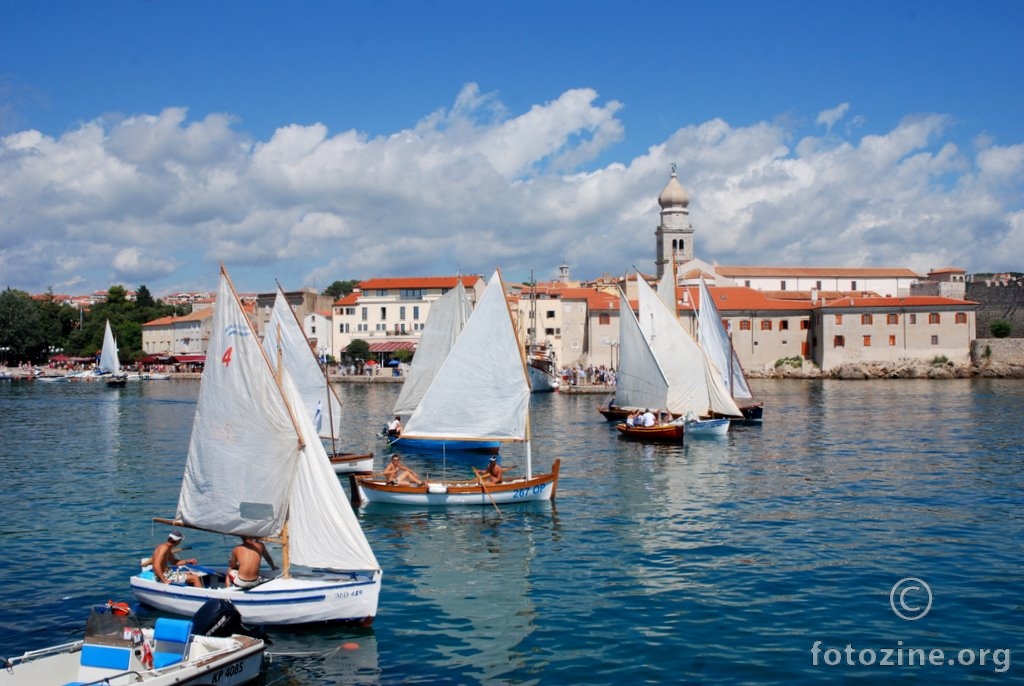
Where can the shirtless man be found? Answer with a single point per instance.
(164, 559)
(493, 473)
(244, 565)
(398, 474)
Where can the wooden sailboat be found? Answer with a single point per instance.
(320, 399)
(717, 343)
(480, 393)
(540, 358)
(695, 388)
(256, 467)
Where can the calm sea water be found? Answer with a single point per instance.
(717, 561)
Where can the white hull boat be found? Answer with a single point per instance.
(117, 651)
(272, 480)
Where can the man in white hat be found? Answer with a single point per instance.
(493, 473)
(164, 559)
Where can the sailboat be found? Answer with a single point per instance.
(445, 323)
(540, 359)
(320, 399)
(695, 388)
(716, 342)
(110, 365)
(481, 392)
(256, 467)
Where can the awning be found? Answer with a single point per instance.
(186, 359)
(391, 346)
(155, 359)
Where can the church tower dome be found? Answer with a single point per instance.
(674, 194)
(674, 235)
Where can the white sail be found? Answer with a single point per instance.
(692, 386)
(715, 341)
(481, 390)
(667, 290)
(108, 355)
(639, 381)
(318, 396)
(447, 317)
(253, 464)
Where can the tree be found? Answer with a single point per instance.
(20, 335)
(358, 349)
(1000, 328)
(339, 289)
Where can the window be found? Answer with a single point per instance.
(805, 324)
(892, 319)
(604, 319)
(933, 318)
(866, 320)
(744, 325)
(366, 313)
(550, 314)
(766, 325)
(415, 312)
(961, 317)
(913, 318)
(935, 340)
(839, 320)
(550, 332)
(312, 329)
(383, 313)
(381, 327)
(746, 283)
(382, 292)
(784, 325)
(839, 342)
(867, 341)
(892, 339)
(853, 285)
(401, 312)
(782, 285)
(817, 284)
(412, 294)
(350, 311)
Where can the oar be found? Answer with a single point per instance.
(481, 482)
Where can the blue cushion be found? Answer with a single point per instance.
(174, 630)
(106, 657)
(164, 659)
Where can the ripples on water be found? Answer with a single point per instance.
(721, 560)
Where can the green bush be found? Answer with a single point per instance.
(939, 360)
(1000, 328)
(796, 362)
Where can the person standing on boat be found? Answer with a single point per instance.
(244, 565)
(164, 559)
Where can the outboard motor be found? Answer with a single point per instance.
(218, 618)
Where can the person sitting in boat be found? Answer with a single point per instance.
(648, 418)
(633, 419)
(398, 474)
(395, 428)
(493, 473)
(164, 559)
(244, 564)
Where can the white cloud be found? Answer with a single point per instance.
(158, 199)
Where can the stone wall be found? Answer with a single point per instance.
(997, 355)
(998, 302)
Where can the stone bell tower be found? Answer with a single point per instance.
(675, 233)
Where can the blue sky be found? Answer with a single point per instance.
(141, 142)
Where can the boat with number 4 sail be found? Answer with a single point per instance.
(321, 401)
(481, 392)
(256, 467)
